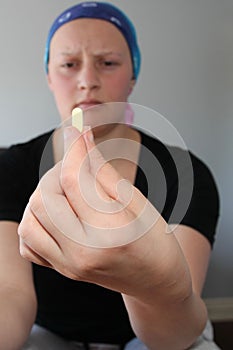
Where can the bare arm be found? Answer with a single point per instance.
(158, 274)
(17, 296)
(175, 315)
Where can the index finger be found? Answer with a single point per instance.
(85, 194)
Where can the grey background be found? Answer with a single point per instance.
(186, 75)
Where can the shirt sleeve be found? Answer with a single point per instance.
(180, 186)
(14, 184)
(203, 211)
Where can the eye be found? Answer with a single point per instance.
(69, 65)
(110, 63)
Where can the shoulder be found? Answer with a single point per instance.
(178, 160)
(21, 162)
(186, 183)
(25, 154)
(19, 175)
(34, 144)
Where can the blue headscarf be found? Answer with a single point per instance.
(104, 11)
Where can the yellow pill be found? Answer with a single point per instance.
(77, 118)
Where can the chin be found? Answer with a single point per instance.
(103, 130)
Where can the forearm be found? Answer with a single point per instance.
(165, 313)
(17, 316)
(167, 326)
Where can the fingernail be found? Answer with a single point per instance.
(89, 134)
(69, 132)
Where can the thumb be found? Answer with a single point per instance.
(71, 135)
(101, 168)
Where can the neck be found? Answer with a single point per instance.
(114, 132)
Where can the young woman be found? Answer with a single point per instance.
(106, 272)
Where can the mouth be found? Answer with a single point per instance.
(88, 104)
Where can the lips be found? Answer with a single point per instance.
(88, 104)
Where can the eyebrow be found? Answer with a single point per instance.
(97, 54)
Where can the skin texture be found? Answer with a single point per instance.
(89, 68)
(160, 264)
(17, 296)
(90, 63)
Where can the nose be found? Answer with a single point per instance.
(88, 78)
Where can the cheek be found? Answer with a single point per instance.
(63, 92)
(119, 88)
(59, 83)
(62, 87)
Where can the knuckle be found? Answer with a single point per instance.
(35, 202)
(26, 226)
(68, 181)
(23, 251)
(25, 230)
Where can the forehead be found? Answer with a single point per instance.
(86, 31)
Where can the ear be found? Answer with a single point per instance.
(49, 82)
(131, 85)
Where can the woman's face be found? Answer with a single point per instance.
(89, 64)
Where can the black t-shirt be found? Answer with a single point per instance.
(178, 184)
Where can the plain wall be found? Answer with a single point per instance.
(186, 75)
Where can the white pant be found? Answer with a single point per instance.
(41, 339)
